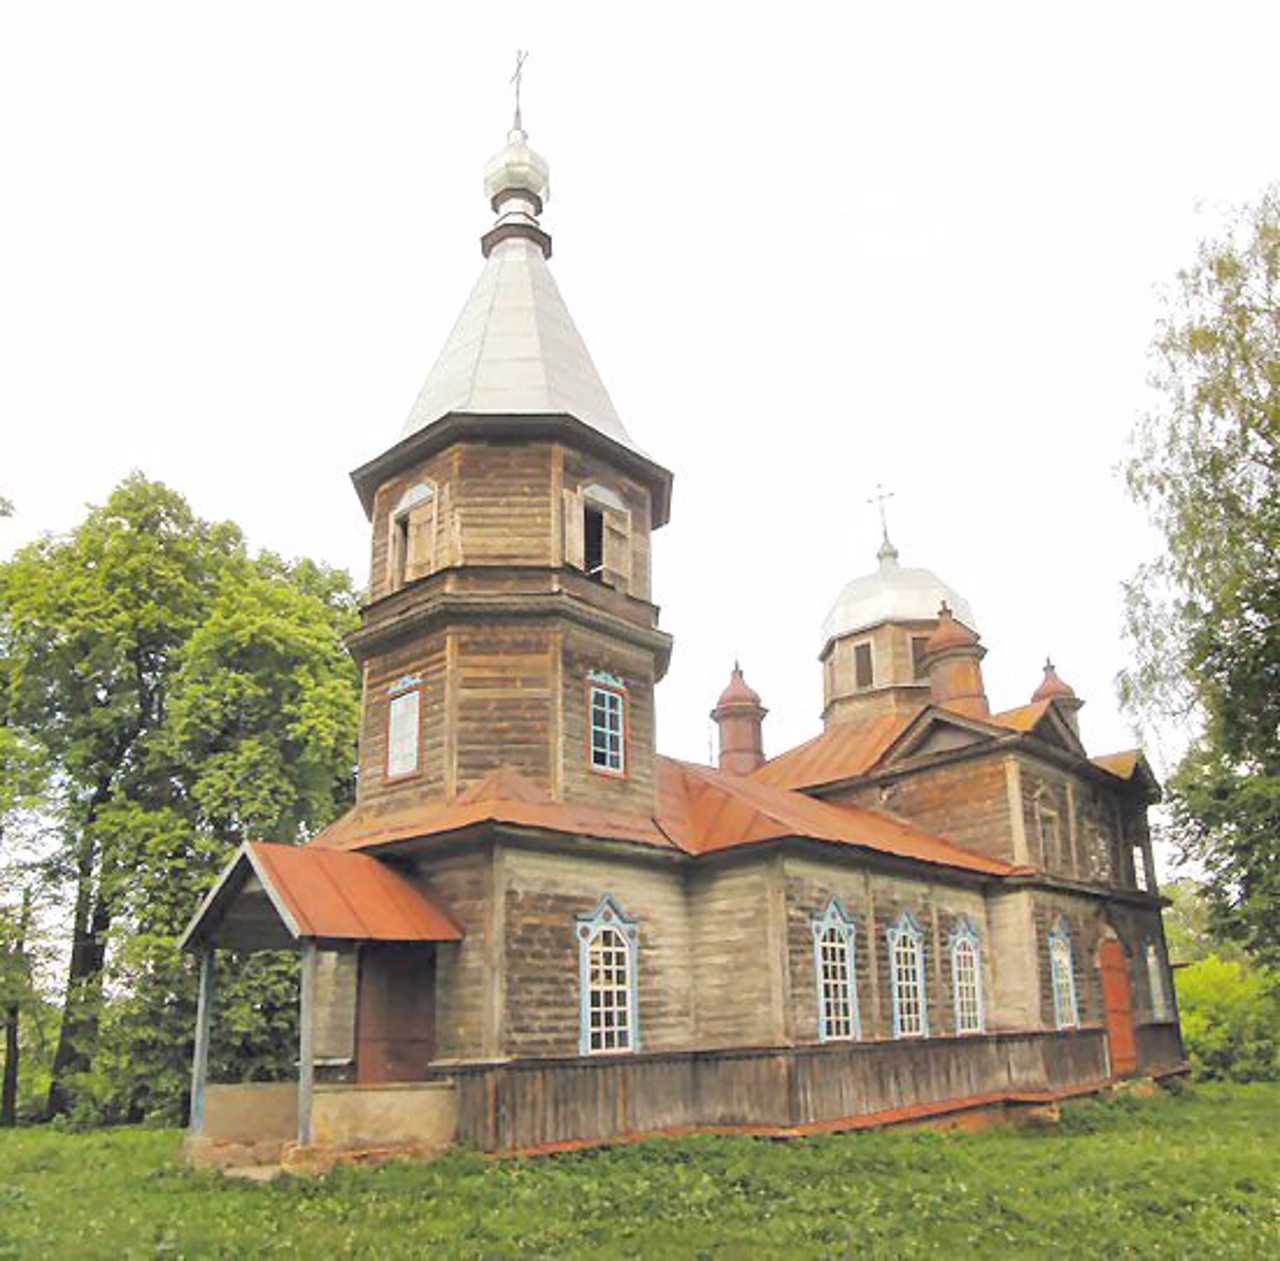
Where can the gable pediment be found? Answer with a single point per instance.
(937, 731)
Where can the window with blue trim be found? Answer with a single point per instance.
(607, 942)
(906, 974)
(607, 704)
(1066, 1011)
(966, 977)
(835, 957)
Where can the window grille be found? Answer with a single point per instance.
(906, 961)
(1066, 1012)
(607, 966)
(835, 957)
(966, 973)
(608, 730)
(403, 734)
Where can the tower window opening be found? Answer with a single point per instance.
(399, 549)
(917, 657)
(593, 540)
(863, 672)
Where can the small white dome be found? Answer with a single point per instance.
(894, 593)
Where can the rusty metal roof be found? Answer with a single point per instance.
(841, 752)
(274, 894)
(700, 811)
(721, 811)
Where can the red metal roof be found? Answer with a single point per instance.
(721, 811)
(841, 752)
(330, 894)
(700, 811)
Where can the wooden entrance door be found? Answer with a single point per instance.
(1117, 1000)
(396, 1013)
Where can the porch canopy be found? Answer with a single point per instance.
(283, 897)
(280, 897)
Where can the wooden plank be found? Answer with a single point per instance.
(306, 1043)
(200, 1055)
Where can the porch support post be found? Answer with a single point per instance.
(306, 1043)
(200, 1056)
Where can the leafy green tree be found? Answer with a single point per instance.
(1230, 1019)
(1204, 618)
(184, 696)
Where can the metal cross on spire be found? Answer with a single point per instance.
(879, 499)
(521, 57)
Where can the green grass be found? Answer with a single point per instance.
(1189, 1175)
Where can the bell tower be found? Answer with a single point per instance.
(509, 625)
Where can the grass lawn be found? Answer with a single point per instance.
(1190, 1175)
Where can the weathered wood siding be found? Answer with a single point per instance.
(584, 652)
(1160, 1048)
(335, 1006)
(424, 658)
(876, 901)
(736, 974)
(464, 883)
(531, 1103)
(544, 895)
(967, 802)
(502, 696)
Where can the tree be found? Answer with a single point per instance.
(184, 696)
(1204, 618)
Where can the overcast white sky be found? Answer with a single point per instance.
(811, 248)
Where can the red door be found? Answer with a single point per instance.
(1117, 1000)
(395, 1018)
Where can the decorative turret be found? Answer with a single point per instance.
(1053, 688)
(953, 661)
(740, 716)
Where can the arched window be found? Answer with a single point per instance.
(906, 970)
(1156, 980)
(966, 977)
(412, 547)
(1066, 1012)
(607, 967)
(835, 957)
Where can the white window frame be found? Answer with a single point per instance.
(608, 943)
(1161, 1008)
(613, 733)
(1066, 1003)
(966, 992)
(835, 958)
(404, 729)
(907, 974)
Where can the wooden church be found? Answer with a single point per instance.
(533, 930)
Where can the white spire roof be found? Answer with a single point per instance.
(515, 349)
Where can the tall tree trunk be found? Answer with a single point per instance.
(12, 1015)
(79, 1029)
